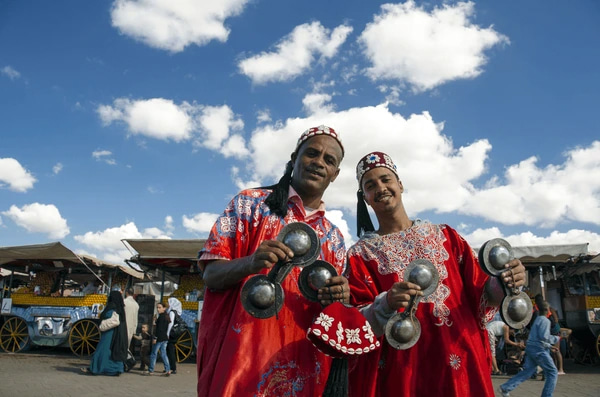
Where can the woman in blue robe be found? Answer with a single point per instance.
(111, 352)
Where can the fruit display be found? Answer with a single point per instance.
(190, 291)
(29, 299)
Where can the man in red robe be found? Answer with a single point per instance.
(452, 356)
(237, 354)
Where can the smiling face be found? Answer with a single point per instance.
(382, 190)
(316, 165)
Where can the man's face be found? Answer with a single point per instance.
(160, 308)
(382, 190)
(316, 165)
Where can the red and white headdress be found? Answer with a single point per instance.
(374, 160)
(320, 130)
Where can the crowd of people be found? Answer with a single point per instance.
(118, 326)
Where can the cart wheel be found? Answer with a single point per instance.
(184, 346)
(84, 337)
(598, 346)
(14, 335)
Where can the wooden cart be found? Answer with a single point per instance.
(49, 309)
(174, 261)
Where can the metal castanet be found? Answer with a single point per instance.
(516, 308)
(262, 295)
(313, 277)
(403, 330)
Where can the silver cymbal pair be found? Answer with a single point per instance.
(262, 295)
(516, 308)
(403, 329)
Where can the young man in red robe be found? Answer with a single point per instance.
(237, 354)
(452, 356)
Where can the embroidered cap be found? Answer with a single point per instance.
(341, 331)
(374, 160)
(320, 130)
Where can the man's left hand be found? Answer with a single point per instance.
(337, 290)
(515, 275)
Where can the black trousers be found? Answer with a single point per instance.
(171, 355)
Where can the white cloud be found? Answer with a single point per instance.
(317, 102)
(155, 118)
(437, 175)
(173, 25)
(108, 242)
(572, 236)
(263, 116)
(169, 227)
(295, 53)
(544, 196)
(425, 49)
(211, 127)
(15, 176)
(10, 72)
(216, 125)
(111, 238)
(337, 218)
(199, 223)
(39, 218)
(57, 168)
(104, 155)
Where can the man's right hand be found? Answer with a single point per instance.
(223, 274)
(268, 253)
(400, 294)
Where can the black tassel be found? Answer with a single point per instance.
(337, 382)
(363, 219)
(277, 200)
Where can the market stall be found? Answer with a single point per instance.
(60, 298)
(568, 277)
(173, 261)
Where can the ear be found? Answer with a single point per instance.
(337, 172)
(293, 157)
(401, 186)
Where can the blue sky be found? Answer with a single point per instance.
(141, 119)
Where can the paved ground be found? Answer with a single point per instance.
(56, 373)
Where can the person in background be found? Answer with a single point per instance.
(160, 340)
(111, 351)
(174, 309)
(451, 357)
(498, 330)
(242, 355)
(537, 352)
(89, 288)
(131, 312)
(145, 338)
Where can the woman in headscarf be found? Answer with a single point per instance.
(111, 352)
(175, 308)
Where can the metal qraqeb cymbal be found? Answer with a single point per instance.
(261, 297)
(402, 331)
(302, 240)
(516, 310)
(493, 255)
(313, 277)
(423, 273)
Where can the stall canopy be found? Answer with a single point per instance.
(550, 254)
(53, 257)
(173, 256)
